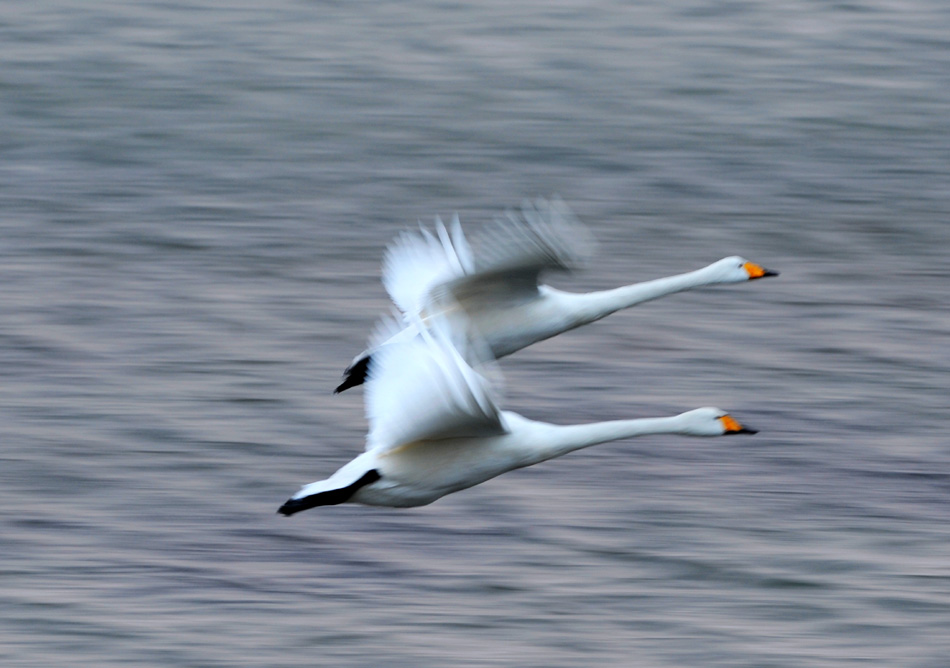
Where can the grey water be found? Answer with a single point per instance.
(194, 202)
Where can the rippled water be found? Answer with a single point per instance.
(194, 199)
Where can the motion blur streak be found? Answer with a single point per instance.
(194, 201)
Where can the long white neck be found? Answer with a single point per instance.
(596, 305)
(559, 440)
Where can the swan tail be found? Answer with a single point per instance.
(354, 375)
(329, 497)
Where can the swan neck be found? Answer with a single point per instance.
(569, 438)
(601, 304)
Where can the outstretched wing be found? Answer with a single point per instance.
(422, 269)
(513, 252)
(415, 262)
(426, 388)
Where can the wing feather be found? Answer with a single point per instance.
(414, 263)
(423, 269)
(426, 388)
(544, 235)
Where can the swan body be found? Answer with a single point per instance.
(497, 291)
(435, 426)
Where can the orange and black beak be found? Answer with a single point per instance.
(732, 426)
(755, 271)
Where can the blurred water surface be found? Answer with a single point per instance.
(194, 200)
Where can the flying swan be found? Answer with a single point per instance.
(497, 289)
(435, 426)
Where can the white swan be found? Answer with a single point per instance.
(497, 289)
(435, 427)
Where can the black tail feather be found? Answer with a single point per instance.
(331, 497)
(354, 375)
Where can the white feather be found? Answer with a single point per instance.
(492, 290)
(421, 269)
(426, 388)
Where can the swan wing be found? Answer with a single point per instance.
(425, 271)
(511, 254)
(415, 262)
(426, 388)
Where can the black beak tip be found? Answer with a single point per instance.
(770, 272)
(746, 430)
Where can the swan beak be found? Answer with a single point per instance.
(732, 426)
(755, 271)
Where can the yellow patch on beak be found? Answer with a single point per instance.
(754, 270)
(730, 424)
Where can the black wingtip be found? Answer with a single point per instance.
(354, 375)
(289, 508)
(347, 383)
(331, 497)
(292, 506)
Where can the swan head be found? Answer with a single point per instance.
(711, 422)
(737, 269)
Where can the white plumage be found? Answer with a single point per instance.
(493, 286)
(435, 426)
(432, 389)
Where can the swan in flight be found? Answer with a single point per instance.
(496, 287)
(435, 426)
